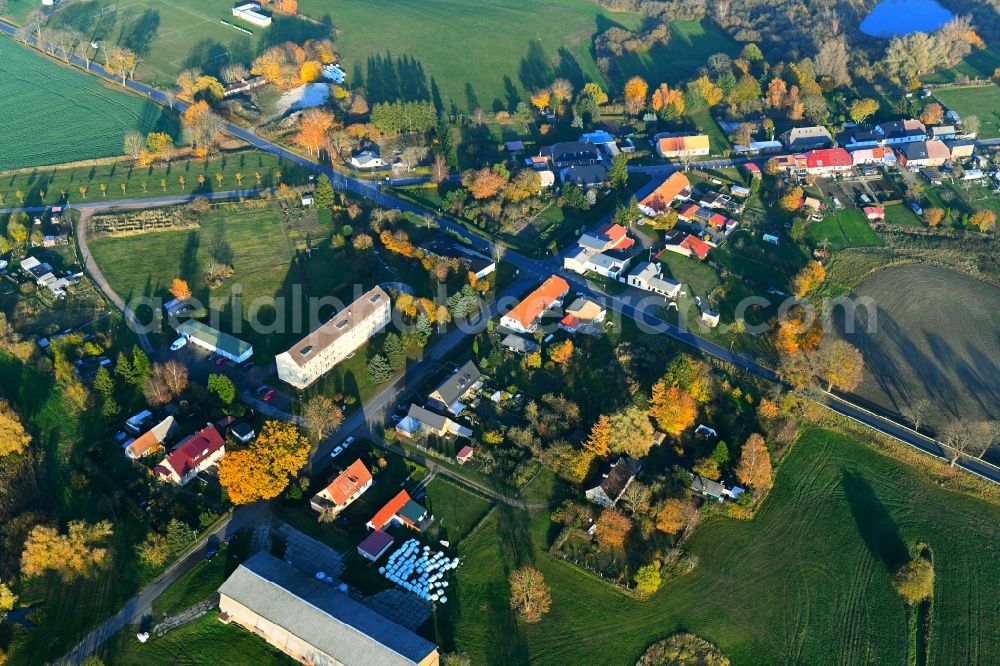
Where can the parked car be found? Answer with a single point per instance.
(262, 389)
(267, 396)
(178, 343)
(348, 442)
(121, 436)
(211, 552)
(396, 418)
(337, 451)
(222, 360)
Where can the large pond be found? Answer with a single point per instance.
(901, 17)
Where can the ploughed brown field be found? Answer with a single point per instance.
(937, 336)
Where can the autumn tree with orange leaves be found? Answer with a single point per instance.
(264, 469)
(798, 332)
(635, 95)
(201, 126)
(613, 528)
(673, 409)
(810, 277)
(754, 468)
(484, 183)
(313, 128)
(600, 436)
(562, 353)
(180, 290)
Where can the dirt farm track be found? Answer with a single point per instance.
(937, 336)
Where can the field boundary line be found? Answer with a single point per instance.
(910, 444)
(985, 463)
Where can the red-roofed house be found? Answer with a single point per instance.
(525, 316)
(347, 487)
(874, 213)
(659, 200)
(607, 237)
(752, 169)
(688, 212)
(828, 161)
(698, 248)
(195, 454)
(400, 510)
(464, 455)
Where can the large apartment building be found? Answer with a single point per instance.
(314, 355)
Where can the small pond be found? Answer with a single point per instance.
(891, 18)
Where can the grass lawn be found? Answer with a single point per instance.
(477, 55)
(902, 215)
(264, 248)
(844, 228)
(63, 184)
(690, 45)
(697, 275)
(455, 510)
(806, 581)
(982, 102)
(86, 124)
(204, 641)
(706, 124)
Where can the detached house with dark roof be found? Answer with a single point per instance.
(806, 138)
(613, 482)
(314, 623)
(449, 393)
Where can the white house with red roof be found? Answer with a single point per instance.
(605, 251)
(688, 245)
(828, 161)
(526, 315)
(192, 456)
(874, 213)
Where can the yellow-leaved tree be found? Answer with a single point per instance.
(264, 469)
(13, 438)
(76, 554)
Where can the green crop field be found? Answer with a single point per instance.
(845, 228)
(807, 581)
(61, 185)
(82, 117)
(982, 102)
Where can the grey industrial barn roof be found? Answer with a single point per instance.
(322, 616)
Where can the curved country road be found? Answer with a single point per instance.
(91, 267)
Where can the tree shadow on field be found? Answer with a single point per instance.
(209, 56)
(535, 70)
(294, 29)
(875, 525)
(189, 259)
(569, 69)
(138, 34)
(515, 534)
